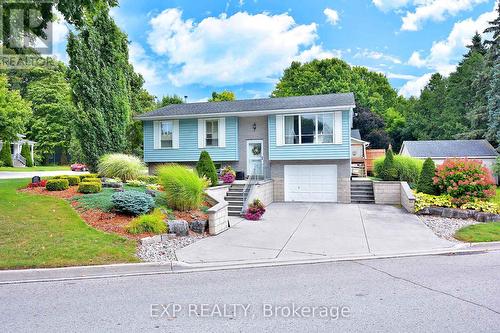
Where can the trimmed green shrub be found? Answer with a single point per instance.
(407, 168)
(206, 168)
(125, 167)
(388, 170)
(425, 181)
(57, 185)
(136, 183)
(72, 180)
(26, 153)
(148, 179)
(89, 187)
(132, 202)
(183, 187)
(5, 155)
(88, 175)
(91, 180)
(153, 222)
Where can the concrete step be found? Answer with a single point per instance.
(361, 193)
(235, 202)
(234, 213)
(234, 198)
(234, 192)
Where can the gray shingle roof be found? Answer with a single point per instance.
(450, 148)
(263, 104)
(355, 134)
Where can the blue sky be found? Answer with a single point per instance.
(195, 47)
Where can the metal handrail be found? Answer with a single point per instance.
(252, 180)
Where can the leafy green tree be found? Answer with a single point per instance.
(206, 168)
(73, 12)
(5, 155)
(14, 112)
(389, 171)
(26, 153)
(100, 77)
(371, 89)
(371, 127)
(425, 182)
(53, 111)
(225, 95)
(170, 99)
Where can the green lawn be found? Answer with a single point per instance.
(38, 168)
(483, 232)
(43, 231)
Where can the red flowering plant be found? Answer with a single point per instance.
(42, 183)
(464, 180)
(228, 175)
(255, 210)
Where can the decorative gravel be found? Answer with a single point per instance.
(165, 251)
(446, 227)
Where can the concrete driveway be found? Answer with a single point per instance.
(296, 231)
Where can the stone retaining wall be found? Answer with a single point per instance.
(218, 218)
(387, 193)
(394, 193)
(460, 214)
(407, 197)
(264, 191)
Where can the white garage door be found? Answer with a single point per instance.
(312, 183)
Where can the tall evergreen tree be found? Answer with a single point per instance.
(493, 93)
(476, 45)
(100, 77)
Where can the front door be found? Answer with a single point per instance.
(255, 157)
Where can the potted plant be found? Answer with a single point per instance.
(228, 175)
(255, 210)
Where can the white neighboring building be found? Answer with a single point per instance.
(439, 150)
(15, 150)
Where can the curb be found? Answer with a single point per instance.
(38, 275)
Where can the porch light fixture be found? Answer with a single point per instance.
(254, 126)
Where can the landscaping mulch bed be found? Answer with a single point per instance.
(66, 194)
(445, 227)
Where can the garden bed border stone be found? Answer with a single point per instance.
(460, 214)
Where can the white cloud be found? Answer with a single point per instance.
(425, 10)
(144, 65)
(435, 10)
(386, 5)
(377, 56)
(231, 49)
(415, 86)
(444, 54)
(332, 16)
(391, 75)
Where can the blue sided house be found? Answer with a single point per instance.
(302, 143)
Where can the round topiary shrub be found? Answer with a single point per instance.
(132, 202)
(206, 168)
(90, 187)
(88, 175)
(72, 180)
(426, 180)
(464, 180)
(57, 185)
(125, 167)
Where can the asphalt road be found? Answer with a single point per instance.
(458, 293)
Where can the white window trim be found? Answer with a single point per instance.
(315, 132)
(157, 134)
(202, 132)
